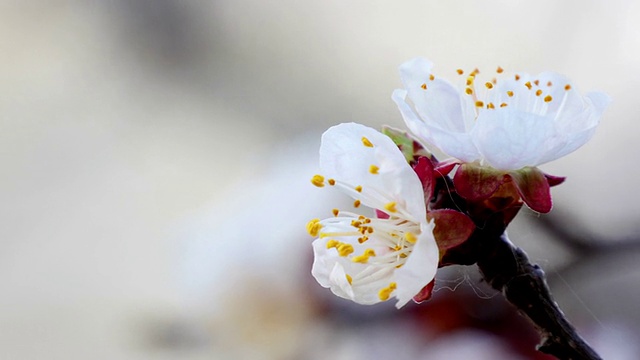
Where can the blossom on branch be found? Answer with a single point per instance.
(499, 129)
(369, 258)
(507, 123)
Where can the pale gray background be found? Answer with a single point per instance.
(156, 155)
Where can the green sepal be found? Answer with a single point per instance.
(407, 144)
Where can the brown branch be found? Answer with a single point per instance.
(508, 269)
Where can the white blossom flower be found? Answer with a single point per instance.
(506, 122)
(370, 259)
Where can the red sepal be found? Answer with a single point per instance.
(452, 228)
(554, 180)
(443, 168)
(534, 188)
(424, 170)
(474, 182)
(425, 293)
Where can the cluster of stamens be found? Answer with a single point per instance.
(501, 100)
(391, 239)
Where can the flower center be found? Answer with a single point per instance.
(536, 96)
(374, 246)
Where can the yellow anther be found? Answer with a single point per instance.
(548, 98)
(479, 103)
(362, 239)
(373, 169)
(517, 77)
(460, 71)
(410, 237)
(537, 82)
(344, 249)
(313, 227)
(424, 86)
(317, 180)
(431, 77)
(469, 91)
(488, 85)
(358, 188)
(335, 212)
(385, 293)
(356, 203)
(475, 72)
(364, 258)
(355, 223)
(470, 80)
(349, 278)
(528, 85)
(369, 229)
(367, 221)
(403, 256)
(332, 243)
(366, 142)
(499, 70)
(510, 93)
(538, 92)
(391, 206)
(567, 87)
(331, 182)
(490, 106)
(503, 104)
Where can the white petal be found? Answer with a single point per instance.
(577, 130)
(509, 139)
(339, 284)
(323, 263)
(367, 293)
(330, 271)
(344, 157)
(599, 100)
(452, 143)
(420, 268)
(439, 105)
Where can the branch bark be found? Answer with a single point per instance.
(508, 269)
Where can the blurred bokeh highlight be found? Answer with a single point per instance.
(155, 163)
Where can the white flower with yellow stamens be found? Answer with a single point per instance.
(508, 122)
(368, 258)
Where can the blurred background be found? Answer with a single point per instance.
(155, 163)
